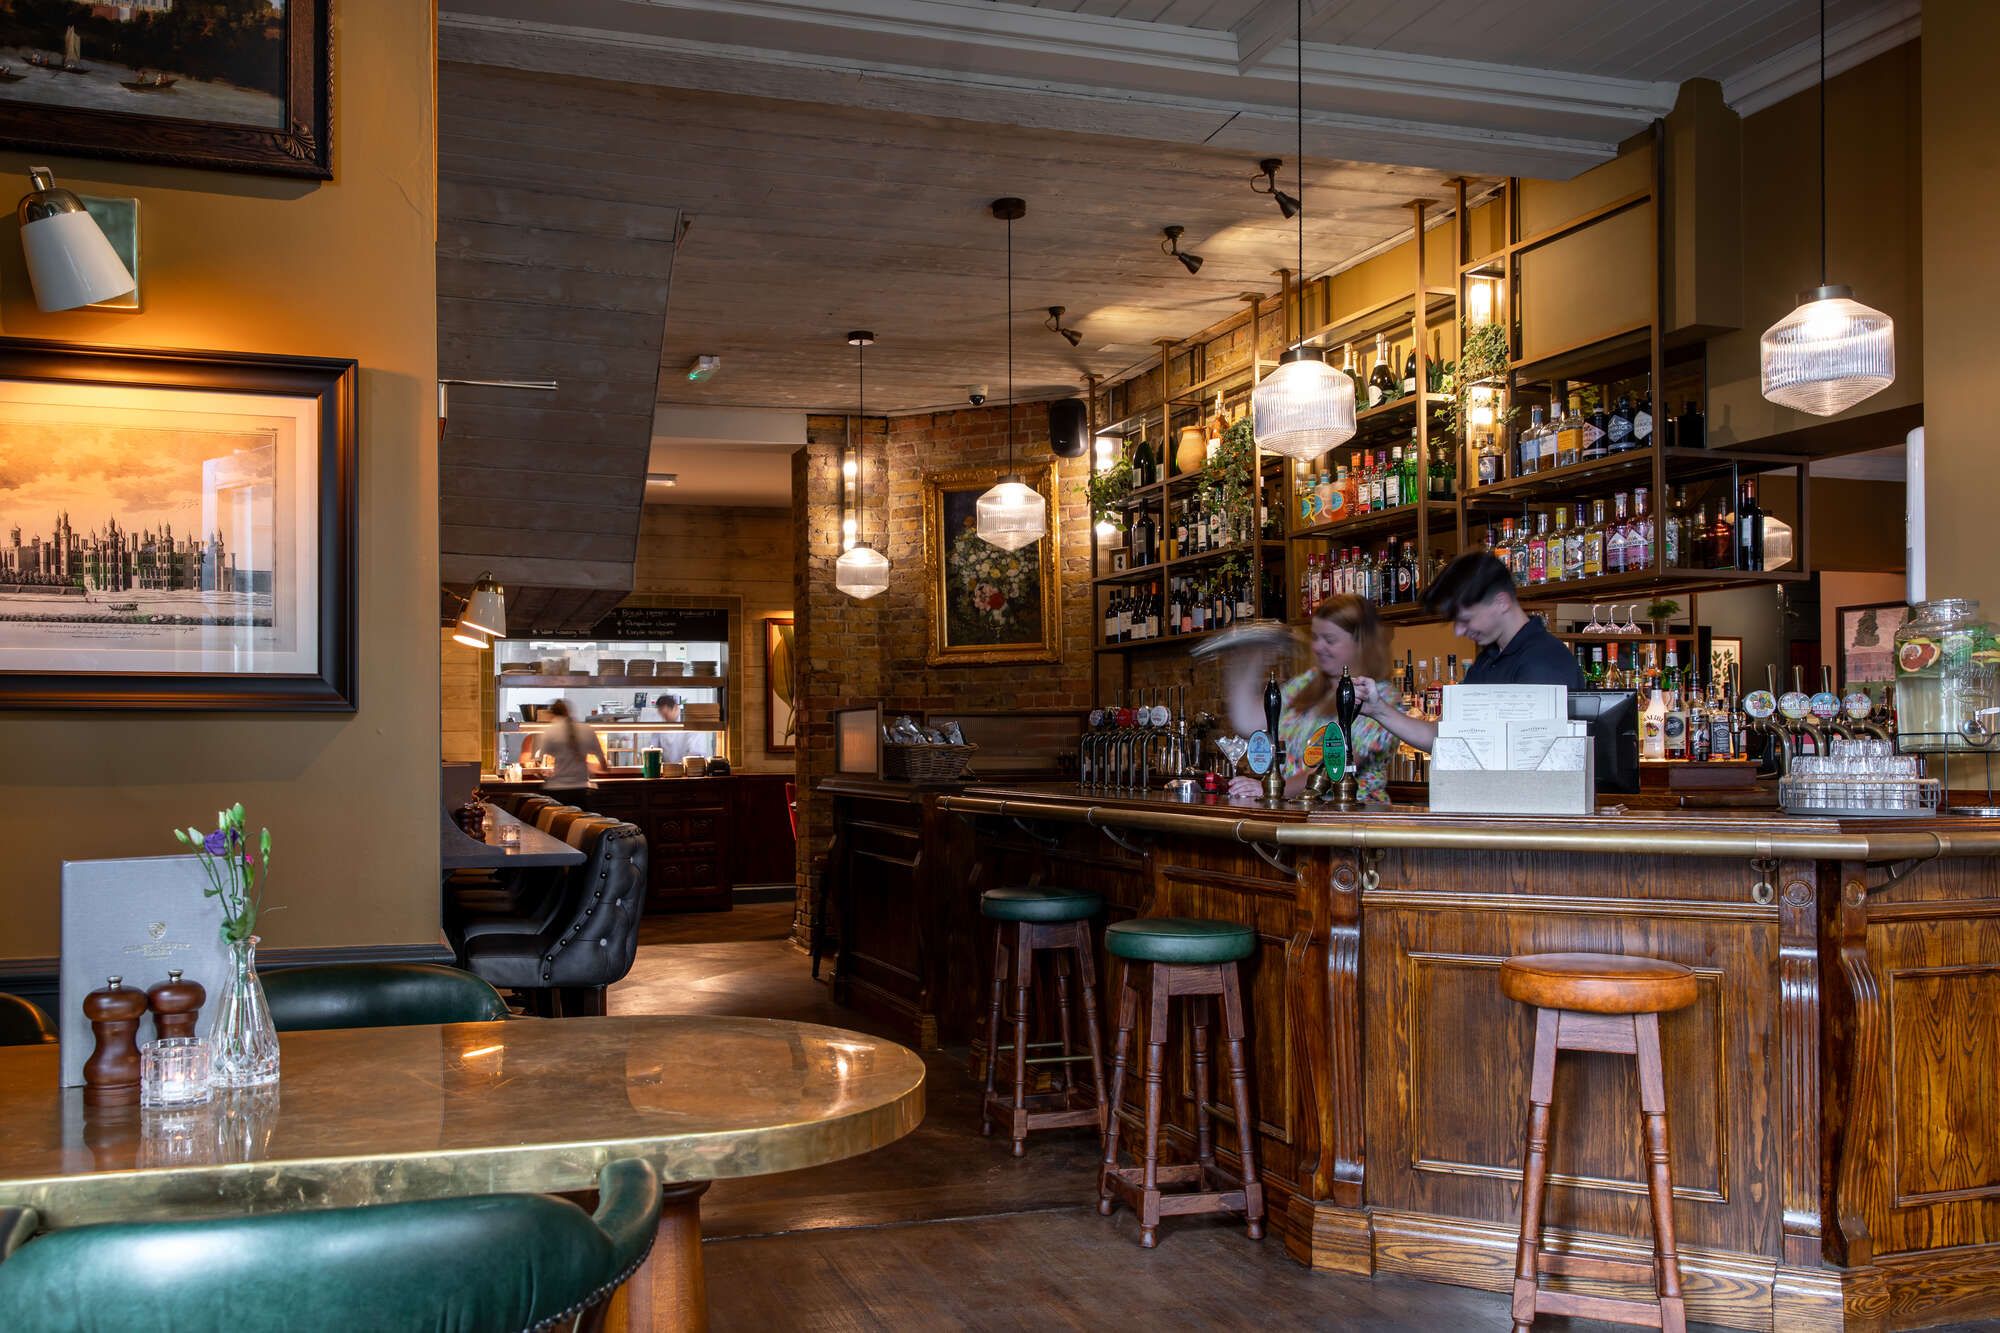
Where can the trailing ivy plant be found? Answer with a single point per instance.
(1106, 492)
(1482, 356)
(1224, 488)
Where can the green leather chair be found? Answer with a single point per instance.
(378, 995)
(492, 1264)
(22, 1022)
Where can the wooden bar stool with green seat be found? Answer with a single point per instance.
(1178, 956)
(1609, 1003)
(1047, 920)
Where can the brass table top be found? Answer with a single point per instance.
(380, 1114)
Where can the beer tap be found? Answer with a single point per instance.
(1778, 741)
(1348, 708)
(1837, 725)
(1807, 727)
(1274, 706)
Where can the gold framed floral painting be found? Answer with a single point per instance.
(988, 606)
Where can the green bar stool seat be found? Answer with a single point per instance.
(1179, 957)
(1027, 920)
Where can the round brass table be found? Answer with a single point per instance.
(372, 1115)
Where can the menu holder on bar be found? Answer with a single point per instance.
(1511, 750)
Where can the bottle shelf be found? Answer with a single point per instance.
(1580, 637)
(1136, 574)
(1610, 587)
(1439, 514)
(1630, 467)
(1164, 641)
(1147, 573)
(1611, 355)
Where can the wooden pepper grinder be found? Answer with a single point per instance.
(176, 1004)
(111, 1074)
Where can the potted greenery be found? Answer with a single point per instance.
(1224, 488)
(1106, 492)
(1662, 612)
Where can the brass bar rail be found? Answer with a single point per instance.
(1889, 845)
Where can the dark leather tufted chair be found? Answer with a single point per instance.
(566, 966)
(22, 1022)
(378, 995)
(501, 1262)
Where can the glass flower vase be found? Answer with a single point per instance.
(243, 1037)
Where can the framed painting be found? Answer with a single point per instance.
(988, 606)
(1866, 653)
(177, 530)
(1725, 658)
(781, 715)
(241, 85)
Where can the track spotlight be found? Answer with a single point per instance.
(1172, 246)
(1054, 324)
(1266, 182)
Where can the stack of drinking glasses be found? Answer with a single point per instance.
(1858, 778)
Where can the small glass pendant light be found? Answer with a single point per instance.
(1012, 514)
(1832, 351)
(862, 571)
(1304, 407)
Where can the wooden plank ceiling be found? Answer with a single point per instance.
(551, 266)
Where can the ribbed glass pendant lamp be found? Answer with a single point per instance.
(1832, 351)
(1012, 514)
(1304, 407)
(862, 571)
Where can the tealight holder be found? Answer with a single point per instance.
(174, 1071)
(510, 836)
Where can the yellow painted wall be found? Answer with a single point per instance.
(248, 263)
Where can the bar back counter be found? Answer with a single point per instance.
(1834, 1092)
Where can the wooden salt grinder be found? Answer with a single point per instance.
(176, 1005)
(111, 1074)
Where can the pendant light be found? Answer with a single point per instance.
(862, 571)
(486, 611)
(1832, 351)
(1304, 407)
(1012, 514)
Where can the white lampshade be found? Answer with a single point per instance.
(1012, 515)
(70, 263)
(1303, 408)
(465, 634)
(1828, 354)
(861, 572)
(1778, 542)
(487, 611)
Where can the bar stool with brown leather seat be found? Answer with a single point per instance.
(1028, 921)
(1193, 959)
(1609, 1003)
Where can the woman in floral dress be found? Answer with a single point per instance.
(1346, 635)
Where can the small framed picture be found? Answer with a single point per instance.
(1119, 561)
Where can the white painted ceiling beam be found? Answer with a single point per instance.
(1848, 44)
(1049, 69)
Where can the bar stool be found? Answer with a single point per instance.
(1194, 959)
(1608, 1003)
(1052, 921)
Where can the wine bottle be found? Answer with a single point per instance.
(1618, 430)
(1142, 464)
(1410, 369)
(1749, 529)
(1381, 380)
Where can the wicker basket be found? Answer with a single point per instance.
(926, 765)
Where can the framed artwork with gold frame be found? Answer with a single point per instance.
(988, 606)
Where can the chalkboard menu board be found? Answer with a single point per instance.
(663, 623)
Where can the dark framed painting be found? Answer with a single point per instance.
(781, 707)
(232, 85)
(177, 530)
(1866, 652)
(988, 606)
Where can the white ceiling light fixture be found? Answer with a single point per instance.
(487, 609)
(862, 571)
(1832, 351)
(1012, 514)
(1304, 407)
(70, 262)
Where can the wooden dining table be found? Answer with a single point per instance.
(531, 848)
(378, 1115)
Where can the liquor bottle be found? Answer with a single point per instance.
(1410, 369)
(1722, 725)
(1700, 740)
(1597, 433)
(1501, 541)
(1670, 679)
(1573, 543)
(1378, 484)
(1720, 540)
(1381, 380)
(1153, 612)
(1489, 461)
(1434, 368)
(1749, 529)
(1618, 430)
(1450, 671)
(1392, 480)
(1527, 450)
(1347, 368)
(1177, 539)
(1538, 551)
(1639, 537)
(1111, 617)
(1593, 542)
(1406, 574)
(1559, 545)
(1642, 422)
(1676, 730)
(1143, 465)
(1569, 436)
(1550, 442)
(1618, 537)
(1691, 429)
(1594, 675)
(1653, 725)
(1673, 528)
(1434, 694)
(1246, 605)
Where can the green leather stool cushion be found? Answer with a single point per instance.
(1179, 939)
(22, 1022)
(378, 995)
(1044, 905)
(498, 1262)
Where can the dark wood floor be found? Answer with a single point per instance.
(947, 1230)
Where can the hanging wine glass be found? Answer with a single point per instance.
(1595, 626)
(1631, 625)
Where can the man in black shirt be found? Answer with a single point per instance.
(1476, 593)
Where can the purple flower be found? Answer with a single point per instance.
(216, 843)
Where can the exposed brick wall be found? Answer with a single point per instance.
(864, 652)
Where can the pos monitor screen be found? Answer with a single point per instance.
(1613, 716)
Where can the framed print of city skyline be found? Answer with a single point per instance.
(233, 85)
(177, 530)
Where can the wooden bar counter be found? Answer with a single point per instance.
(1834, 1092)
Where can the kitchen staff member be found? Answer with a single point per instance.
(677, 745)
(572, 748)
(1476, 593)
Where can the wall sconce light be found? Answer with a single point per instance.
(1479, 296)
(1106, 451)
(1172, 247)
(1480, 405)
(70, 261)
